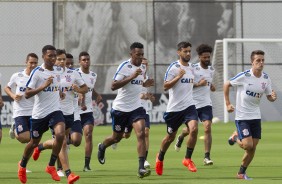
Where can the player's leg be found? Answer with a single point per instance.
(76, 133)
(180, 138)
(22, 127)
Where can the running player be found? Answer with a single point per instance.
(1, 105)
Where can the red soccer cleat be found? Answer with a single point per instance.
(36, 153)
(189, 164)
(53, 172)
(72, 178)
(22, 173)
(159, 166)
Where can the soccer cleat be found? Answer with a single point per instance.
(114, 146)
(189, 164)
(233, 138)
(72, 178)
(178, 144)
(243, 177)
(159, 166)
(60, 173)
(208, 161)
(28, 171)
(12, 131)
(101, 154)
(143, 173)
(86, 169)
(36, 153)
(52, 171)
(147, 165)
(22, 173)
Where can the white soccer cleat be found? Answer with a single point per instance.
(147, 165)
(12, 131)
(114, 146)
(60, 173)
(28, 171)
(208, 161)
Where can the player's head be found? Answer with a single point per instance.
(61, 57)
(49, 55)
(84, 60)
(136, 53)
(31, 61)
(257, 60)
(69, 60)
(204, 52)
(184, 51)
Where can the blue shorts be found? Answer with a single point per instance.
(205, 113)
(247, 128)
(175, 119)
(69, 119)
(39, 126)
(22, 124)
(76, 127)
(0, 125)
(87, 119)
(120, 119)
(147, 124)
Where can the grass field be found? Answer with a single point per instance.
(121, 164)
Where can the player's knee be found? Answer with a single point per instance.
(76, 143)
(194, 131)
(126, 135)
(248, 147)
(23, 139)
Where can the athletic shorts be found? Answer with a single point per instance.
(39, 126)
(174, 120)
(247, 128)
(205, 113)
(22, 124)
(0, 125)
(87, 119)
(76, 127)
(120, 119)
(69, 119)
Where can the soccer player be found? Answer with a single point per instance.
(44, 84)
(127, 109)
(145, 96)
(86, 111)
(179, 80)
(1, 105)
(203, 73)
(251, 85)
(22, 107)
(69, 60)
(70, 81)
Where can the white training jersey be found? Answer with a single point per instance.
(201, 94)
(69, 77)
(24, 106)
(90, 80)
(250, 89)
(76, 107)
(128, 96)
(180, 95)
(47, 100)
(146, 103)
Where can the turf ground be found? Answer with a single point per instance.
(121, 164)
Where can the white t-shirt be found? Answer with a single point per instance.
(250, 89)
(201, 94)
(90, 80)
(24, 106)
(69, 77)
(180, 95)
(76, 107)
(128, 96)
(47, 100)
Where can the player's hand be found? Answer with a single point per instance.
(62, 95)
(83, 107)
(17, 97)
(75, 88)
(151, 97)
(230, 108)
(149, 83)
(212, 88)
(99, 99)
(273, 95)
(137, 72)
(181, 73)
(202, 82)
(1, 103)
(48, 81)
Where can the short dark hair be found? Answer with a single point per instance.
(60, 52)
(69, 56)
(136, 45)
(256, 52)
(182, 45)
(203, 48)
(31, 55)
(47, 47)
(83, 53)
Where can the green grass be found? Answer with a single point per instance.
(121, 164)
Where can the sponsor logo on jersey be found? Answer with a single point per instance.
(177, 65)
(67, 88)
(247, 74)
(51, 88)
(22, 89)
(253, 94)
(187, 80)
(138, 82)
(41, 69)
(70, 71)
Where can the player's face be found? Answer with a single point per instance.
(69, 63)
(258, 62)
(137, 56)
(61, 60)
(31, 63)
(185, 54)
(49, 58)
(205, 59)
(84, 62)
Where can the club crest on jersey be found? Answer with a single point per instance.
(58, 78)
(177, 65)
(20, 75)
(70, 71)
(35, 133)
(68, 78)
(41, 69)
(265, 76)
(20, 128)
(263, 85)
(247, 74)
(129, 66)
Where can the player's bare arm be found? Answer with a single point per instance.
(202, 82)
(80, 89)
(230, 107)
(212, 88)
(120, 83)
(170, 84)
(97, 95)
(272, 97)
(149, 83)
(31, 92)
(9, 92)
